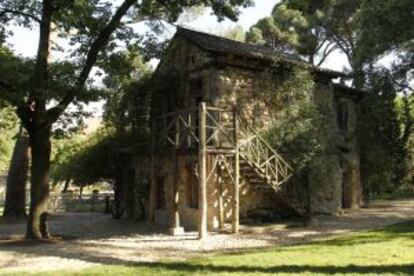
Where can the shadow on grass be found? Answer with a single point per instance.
(193, 268)
(396, 231)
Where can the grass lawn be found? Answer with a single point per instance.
(388, 251)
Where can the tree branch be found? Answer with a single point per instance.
(28, 15)
(23, 109)
(321, 44)
(326, 53)
(91, 58)
(343, 46)
(9, 89)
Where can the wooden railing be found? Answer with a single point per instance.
(181, 130)
(176, 129)
(220, 128)
(257, 151)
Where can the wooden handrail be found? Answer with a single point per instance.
(258, 136)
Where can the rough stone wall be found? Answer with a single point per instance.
(250, 199)
(242, 88)
(164, 166)
(350, 159)
(352, 189)
(325, 185)
(189, 216)
(325, 178)
(334, 181)
(142, 189)
(185, 62)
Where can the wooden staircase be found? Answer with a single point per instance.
(265, 169)
(259, 163)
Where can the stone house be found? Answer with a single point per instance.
(209, 163)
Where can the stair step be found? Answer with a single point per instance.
(250, 174)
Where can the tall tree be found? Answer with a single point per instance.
(384, 28)
(311, 29)
(294, 28)
(93, 29)
(15, 204)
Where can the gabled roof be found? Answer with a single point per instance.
(217, 44)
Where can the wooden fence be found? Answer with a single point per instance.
(76, 203)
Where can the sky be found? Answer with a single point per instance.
(24, 41)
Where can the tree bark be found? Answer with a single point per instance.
(15, 205)
(39, 192)
(66, 187)
(130, 193)
(39, 128)
(119, 194)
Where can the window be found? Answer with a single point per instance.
(191, 188)
(160, 193)
(342, 116)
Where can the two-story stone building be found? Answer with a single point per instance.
(209, 163)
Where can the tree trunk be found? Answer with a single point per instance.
(130, 193)
(39, 192)
(119, 195)
(66, 187)
(358, 73)
(15, 206)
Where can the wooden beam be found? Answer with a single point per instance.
(236, 192)
(176, 195)
(202, 167)
(225, 151)
(151, 207)
(220, 199)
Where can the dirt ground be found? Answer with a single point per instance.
(89, 239)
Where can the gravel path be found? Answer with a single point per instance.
(92, 239)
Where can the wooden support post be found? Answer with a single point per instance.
(220, 200)
(202, 174)
(176, 229)
(236, 193)
(152, 204)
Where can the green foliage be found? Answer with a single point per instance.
(383, 151)
(96, 31)
(16, 71)
(308, 29)
(127, 107)
(87, 160)
(8, 129)
(292, 130)
(384, 26)
(235, 33)
(98, 157)
(365, 31)
(401, 104)
(281, 31)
